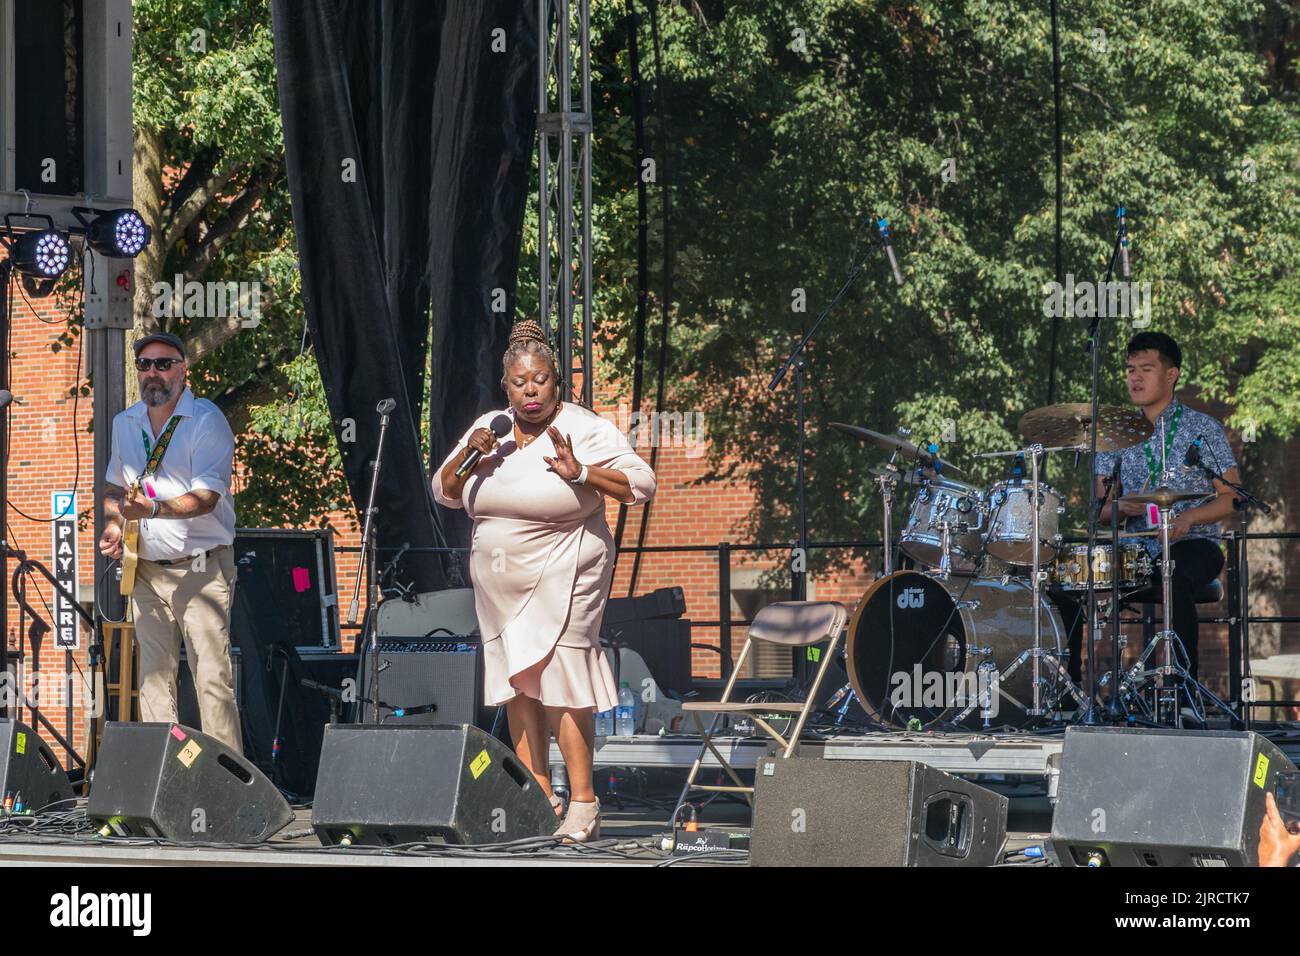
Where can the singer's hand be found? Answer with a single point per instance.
(563, 464)
(484, 441)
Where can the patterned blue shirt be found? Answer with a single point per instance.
(1136, 474)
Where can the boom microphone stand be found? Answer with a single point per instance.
(1113, 712)
(882, 241)
(370, 634)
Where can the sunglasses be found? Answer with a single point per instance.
(161, 364)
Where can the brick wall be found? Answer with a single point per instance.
(683, 513)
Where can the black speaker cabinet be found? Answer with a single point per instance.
(169, 781)
(814, 812)
(28, 768)
(1162, 797)
(382, 785)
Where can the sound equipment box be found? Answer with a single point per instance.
(29, 769)
(1137, 797)
(651, 625)
(286, 575)
(384, 785)
(810, 811)
(170, 781)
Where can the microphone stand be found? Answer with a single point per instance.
(1090, 717)
(370, 634)
(800, 578)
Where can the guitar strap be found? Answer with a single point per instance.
(160, 449)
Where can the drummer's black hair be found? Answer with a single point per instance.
(1162, 343)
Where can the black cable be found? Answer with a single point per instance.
(76, 385)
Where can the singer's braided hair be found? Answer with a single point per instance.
(527, 337)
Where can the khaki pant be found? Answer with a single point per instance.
(199, 602)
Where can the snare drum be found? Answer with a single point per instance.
(937, 501)
(1011, 522)
(1071, 570)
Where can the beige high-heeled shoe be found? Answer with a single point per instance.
(556, 804)
(582, 822)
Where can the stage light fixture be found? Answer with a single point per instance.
(39, 256)
(118, 233)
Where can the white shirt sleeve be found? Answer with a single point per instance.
(115, 475)
(213, 458)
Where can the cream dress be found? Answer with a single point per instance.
(541, 560)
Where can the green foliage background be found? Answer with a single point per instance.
(778, 126)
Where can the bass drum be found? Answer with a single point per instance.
(923, 649)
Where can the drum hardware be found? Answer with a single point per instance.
(944, 528)
(1166, 692)
(1037, 653)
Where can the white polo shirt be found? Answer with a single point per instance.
(200, 456)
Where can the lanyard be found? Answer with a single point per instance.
(1168, 443)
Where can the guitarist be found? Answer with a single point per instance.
(170, 471)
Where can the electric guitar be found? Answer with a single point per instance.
(130, 544)
(131, 529)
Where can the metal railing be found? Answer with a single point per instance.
(1237, 618)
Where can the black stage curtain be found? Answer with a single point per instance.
(439, 121)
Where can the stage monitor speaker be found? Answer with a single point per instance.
(383, 785)
(1136, 797)
(28, 768)
(418, 672)
(169, 781)
(809, 811)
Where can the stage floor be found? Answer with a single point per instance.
(627, 833)
(1021, 766)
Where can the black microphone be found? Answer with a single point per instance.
(883, 226)
(500, 425)
(1193, 456)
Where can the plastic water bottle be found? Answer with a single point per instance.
(625, 713)
(604, 723)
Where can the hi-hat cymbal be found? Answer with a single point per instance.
(1164, 497)
(895, 443)
(1067, 424)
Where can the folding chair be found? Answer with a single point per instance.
(787, 624)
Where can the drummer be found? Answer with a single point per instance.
(1154, 365)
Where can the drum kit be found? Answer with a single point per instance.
(968, 639)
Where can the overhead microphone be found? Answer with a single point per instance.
(500, 425)
(1193, 456)
(1121, 212)
(882, 225)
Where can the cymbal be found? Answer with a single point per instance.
(1067, 424)
(895, 443)
(1164, 497)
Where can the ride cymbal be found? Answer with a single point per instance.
(1067, 424)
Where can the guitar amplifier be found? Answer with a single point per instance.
(417, 672)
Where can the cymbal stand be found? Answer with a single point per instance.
(887, 481)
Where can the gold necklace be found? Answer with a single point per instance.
(528, 439)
